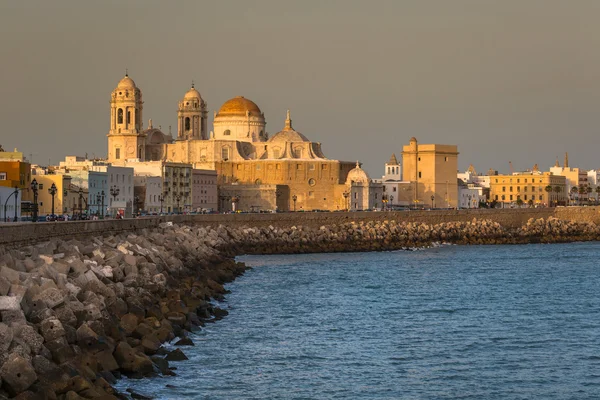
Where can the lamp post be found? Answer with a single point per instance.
(80, 203)
(102, 215)
(52, 190)
(234, 201)
(346, 194)
(294, 198)
(16, 194)
(178, 199)
(432, 199)
(34, 188)
(98, 204)
(161, 198)
(114, 192)
(391, 202)
(469, 197)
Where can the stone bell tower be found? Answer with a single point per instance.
(126, 139)
(192, 117)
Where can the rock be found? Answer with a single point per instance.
(184, 342)
(60, 350)
(4, 286)
(46, 259)
(66, 315)
(30, 336)
(132, 362)
(129, 322)
(150, 344)
(52, 329)
(51, 296)
(17, 374)
(9, 303)
(138, 396)
(107, 361)
(176, 355)
(13, 317)
(6, 336)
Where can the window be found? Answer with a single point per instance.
(118, 154)
(187, 124)
(394, 189)
(419, 174)
(525, 188)
(496, 197)
(525, 197)
(518, 181)
(323, 166)
(511, 197)
(128, 117)
(510, 189)
(2, 176)
(120, 116)
(225, 153)
(525, 180)
(275, 153)
(311, 194)
(226, 132)
(445, 158)
(312, 182)
(518, 189)
(504, 188)
(40, 186)
(311, 167)
(540, 197)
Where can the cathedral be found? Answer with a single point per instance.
(256, 171)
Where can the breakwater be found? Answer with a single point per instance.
(77, 313)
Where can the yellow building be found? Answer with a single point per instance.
(239, 149)
(532, 188)
(64, 199)
(15, 170)
(431, 170)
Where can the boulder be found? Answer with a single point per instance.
(51, 296)
(13, 317)
(184, 342)
(9, 303)
(176, 355)
(107, 361)
(17, 374)
(4, 286)
(6, 337)
(29, 335)
(52, 329)
(130, 361)
(129, 322)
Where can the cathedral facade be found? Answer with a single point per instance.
(286, 171)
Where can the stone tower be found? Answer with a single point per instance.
(192, 117)
(125, 137)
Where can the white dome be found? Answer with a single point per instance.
(357, 175)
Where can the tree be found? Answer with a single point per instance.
(530, 203)
(519, 201)
(558, 190)
(548, 190)
(574, 191)
(588, 191)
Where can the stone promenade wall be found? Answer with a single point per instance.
(508, 218)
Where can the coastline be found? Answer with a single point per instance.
(77, 314)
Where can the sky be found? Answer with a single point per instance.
(505, 80)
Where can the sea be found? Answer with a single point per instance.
(450, 322)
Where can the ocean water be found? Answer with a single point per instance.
(455, 322)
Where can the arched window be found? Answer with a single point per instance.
(227, 132)
(187, 124)
(128, 117)
(120, 116)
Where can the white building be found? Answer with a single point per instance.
(149, 191)
(393, 186)
(204, 190)
(119, 189)
(471, 176)
(364, 194)
(8, 205)
(176, 181)
(470, 195)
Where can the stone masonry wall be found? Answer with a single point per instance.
(509, 218)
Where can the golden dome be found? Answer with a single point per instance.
(126, 83)
(238, 106)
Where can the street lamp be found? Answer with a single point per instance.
(34, 188)
(161, 198)
(469, 197)
(52, 190)
(16, 194)
(391, 202)
(81, 200)
(432, 199)
(234, 201)
(178, 198)
(136, 201)
(294, 198)
(114, 192)
(346, 194)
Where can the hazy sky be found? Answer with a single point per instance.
(504, 80)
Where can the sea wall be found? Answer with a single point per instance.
(509, 218)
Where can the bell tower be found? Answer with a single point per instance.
(192, 117)
(126, 139)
